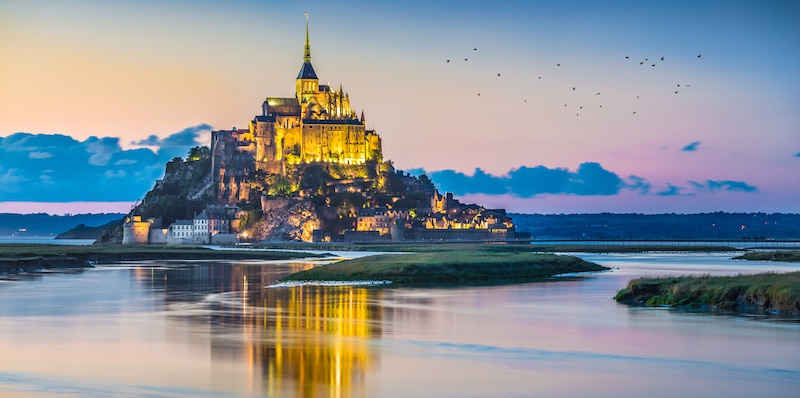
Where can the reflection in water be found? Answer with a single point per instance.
(211, 329)
(309, 341)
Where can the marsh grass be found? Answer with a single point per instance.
(787, 256)
(481, 263)
(768, 292)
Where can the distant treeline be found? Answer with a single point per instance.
(44, 225)
(719, 225)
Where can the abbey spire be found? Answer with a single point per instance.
(307, 49)
(307, 83)
(306, 70)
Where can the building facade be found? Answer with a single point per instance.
(317, 124)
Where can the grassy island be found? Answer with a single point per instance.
(788, 256)
(764, 293)
(27, 258)
(451, 264)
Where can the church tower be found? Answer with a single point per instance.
(307, 83)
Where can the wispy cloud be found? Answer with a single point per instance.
(187, 137)
(726, 185)
(671, 190)
(691, 147)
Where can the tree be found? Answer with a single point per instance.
(198, 153)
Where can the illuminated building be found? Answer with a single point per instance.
(316, 125)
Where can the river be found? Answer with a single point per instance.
(212, 329)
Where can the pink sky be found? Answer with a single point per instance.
(93, 68)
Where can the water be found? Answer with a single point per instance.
(211, 329)
(46, 241)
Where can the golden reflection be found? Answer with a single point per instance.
(310, 341)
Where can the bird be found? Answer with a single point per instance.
(474, 49)
(565, 104)
(465, 59)
(637, 96)
(498, 75)
(662, 58)
(679, 85)
(627, 57)
(687, 86)
(641, 63)
(645, 59)
(581, 107)
(540, 78)
(558, 64)
(573, 89)
(601, 106)
(479, 94)
(448, 61)
(698, 55)
(654, 64)
(525, 101)
(577, 114)
(634, 112)
(597, 94)
(676, 92)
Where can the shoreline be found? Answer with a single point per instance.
(15, 259)
(764, 293)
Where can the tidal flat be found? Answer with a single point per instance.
(34, 257)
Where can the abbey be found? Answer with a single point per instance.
(316, 125)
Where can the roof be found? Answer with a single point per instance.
(264, 119)
(307, 71)
(278, 101)
(183, 222)
(333, 121)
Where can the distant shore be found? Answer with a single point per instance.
(415, 247)
(30, 258)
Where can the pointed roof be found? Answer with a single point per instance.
(307, 71)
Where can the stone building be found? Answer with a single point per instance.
(317, 124)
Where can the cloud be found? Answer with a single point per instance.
(102, 149)
(59, 168)
(40, 155)
(638, 184)
(726, 185)
(589, 179)
(797, 154)
(691, 147)
(671, 190)
(184, 138)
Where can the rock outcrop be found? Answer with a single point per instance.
(294, 221)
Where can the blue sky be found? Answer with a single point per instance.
(539, 138)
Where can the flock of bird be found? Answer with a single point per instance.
(641, 63)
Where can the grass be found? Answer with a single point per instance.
(768, 292)
(499, 248)
(14, 257)
(469, 264)
(788, 256)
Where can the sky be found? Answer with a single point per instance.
(543, 107)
